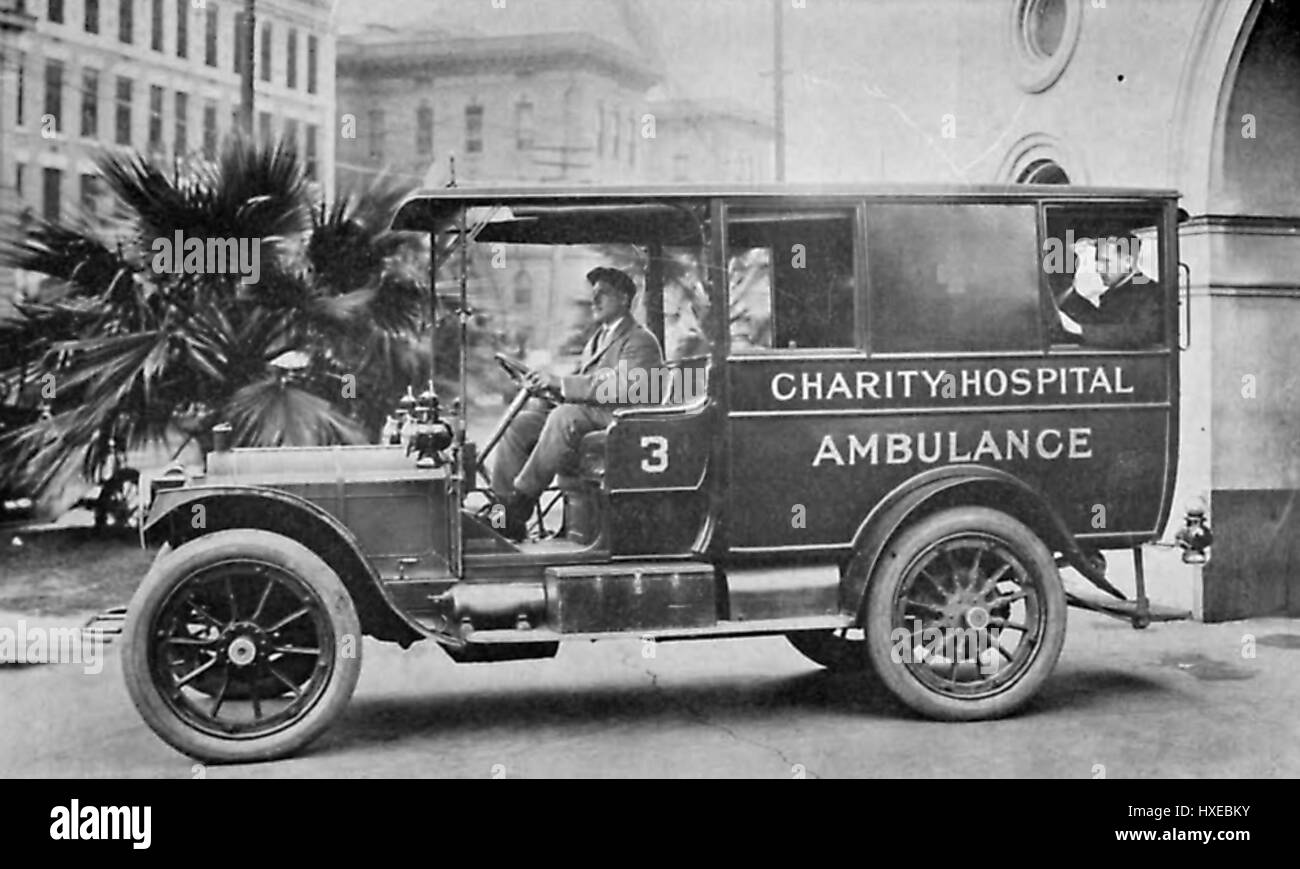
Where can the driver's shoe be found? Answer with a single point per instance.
(518, 510)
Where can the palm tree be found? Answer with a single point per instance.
(314, 353)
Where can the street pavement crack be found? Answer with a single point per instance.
(701, 717)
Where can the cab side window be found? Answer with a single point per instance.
(1101, 277)
(791, 279)
(955, 278)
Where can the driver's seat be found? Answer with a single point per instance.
(581, 490)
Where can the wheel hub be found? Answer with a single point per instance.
(965, 609)
(242, 651)
(246, 643)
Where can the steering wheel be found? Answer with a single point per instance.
(515, 368)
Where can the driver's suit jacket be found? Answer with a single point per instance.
(609, 370)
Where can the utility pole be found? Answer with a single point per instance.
(246, 68)
(778, 77)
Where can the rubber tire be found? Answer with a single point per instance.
(170, 568)
(890, 572)
(836, 654)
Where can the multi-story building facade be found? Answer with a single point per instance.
(564, 108)
(158, 76)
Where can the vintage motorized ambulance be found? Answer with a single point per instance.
(881, 440)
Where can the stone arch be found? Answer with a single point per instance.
(1195, 143)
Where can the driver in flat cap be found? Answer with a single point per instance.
(540, 442)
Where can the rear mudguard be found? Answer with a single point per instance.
(175, 517)
(952, 486)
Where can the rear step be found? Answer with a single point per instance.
(1127, 610)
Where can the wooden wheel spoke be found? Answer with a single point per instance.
(203, 613)
(297, 694)
(287, 619)
(295, 650)
(221, 695)
(1007, 599)
(198, 671)
(261, 602)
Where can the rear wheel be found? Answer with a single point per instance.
(242, 645)
(965, 615)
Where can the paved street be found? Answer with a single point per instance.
(1176, 700)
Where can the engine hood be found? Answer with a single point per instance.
(280, 466)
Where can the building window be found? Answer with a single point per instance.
(376, 122)
(54, 93)
(90, 103)
(209, 130)
(210, 35)
(313, 50)
(91, 10)
(614, 131)
(52, 184)
(424, 130)
(156, 25)
(266, 51)
(182, 28)
(55, 9)
(600, 129)
(155, 117)
(309, 152)
(473, 129)
(291, 133)
(1043, 172)
(18, 179)
(89, 192)
(1043, 36)
(237, 55)
(524, 130)
(1044, 26)
(291, 61)
(264, 127)
(122, 116)
(126, 21)
(181, 133)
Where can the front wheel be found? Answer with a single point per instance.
(241, 646)
(965, 615)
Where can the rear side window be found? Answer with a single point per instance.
(791, 279)
(955, 278)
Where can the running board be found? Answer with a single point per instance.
(720, 630)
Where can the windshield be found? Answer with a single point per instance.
(526, 272)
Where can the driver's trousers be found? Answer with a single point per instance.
(541, 443)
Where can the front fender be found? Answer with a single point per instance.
(951, 486)
(177, 516)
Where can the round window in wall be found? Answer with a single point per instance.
(1043, 172)
(1043, 37)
